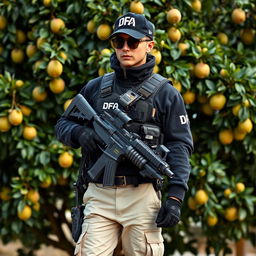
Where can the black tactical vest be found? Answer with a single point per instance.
(136, 102)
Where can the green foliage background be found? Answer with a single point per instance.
(27, 164)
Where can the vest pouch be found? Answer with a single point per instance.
(141, 111)
(151, 134)
(128, 98)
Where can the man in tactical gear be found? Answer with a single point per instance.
(131, 209)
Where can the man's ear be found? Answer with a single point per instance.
(150, 46)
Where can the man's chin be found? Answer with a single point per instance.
(127, 64)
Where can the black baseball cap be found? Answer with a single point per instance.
(135, 25)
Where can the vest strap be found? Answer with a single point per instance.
(148, 87)
(151, 85)
(106, 85)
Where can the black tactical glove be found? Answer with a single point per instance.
(88, 139)
(169, 214)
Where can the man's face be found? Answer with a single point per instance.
(129, 57)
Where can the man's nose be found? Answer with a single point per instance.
(126, 47)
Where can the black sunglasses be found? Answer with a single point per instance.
(118, 42)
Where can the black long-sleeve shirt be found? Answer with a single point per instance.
(171, 115)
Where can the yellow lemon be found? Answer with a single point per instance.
(174, 34)
(39, 94)
(46, 183)
(223, 38)
(103, 31)
(3, 22)
(189, 97)
(245, 126)
(247, 36)
(239, 135)
(201, 197)
(67, 103)
(173, 16)
(206, 109)
(33, 196)
(5, 193)
(217, 101)
(238, 16)
(196, 5)
(157, 54)
(57, 85)
(20, 36)
(240, 187)
(183, 48)
(25, 213)
(65, 160)
(192, 203)
(26, 111)
(227, 192)
(15, 117)
(17, 55)
(235, 109)
(201, 70)
(54, 68)
(29, 132)
(212, 221)
(5, 125)
(231, 213)
(57, 25)
(105, 52)
(226, 136)
(91, 26)
(136, 7)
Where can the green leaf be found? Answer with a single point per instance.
(210, 85)
(175, 53)
(243, 113)
(44, 157)
(169, 69)
(240, 88)
(16, 195)
(250, 205)
(21, 205)
(33, 19)
(240, 73)
(16, 227)
(242, 214)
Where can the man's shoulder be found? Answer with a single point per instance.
(92, 86)
(94, 82)
(167, 87)
(98, 80)
(167, 93)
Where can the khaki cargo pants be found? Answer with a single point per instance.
(125, 212)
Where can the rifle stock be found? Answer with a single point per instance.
(80, 108)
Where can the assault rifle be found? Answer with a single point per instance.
(119, 143)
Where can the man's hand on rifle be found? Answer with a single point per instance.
(89, 140)
(169, 214)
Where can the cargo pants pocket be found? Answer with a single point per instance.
(154, 243)
(79, 244)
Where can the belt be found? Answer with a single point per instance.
(129, 180)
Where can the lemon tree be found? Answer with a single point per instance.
(50, 48)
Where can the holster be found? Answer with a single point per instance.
(77, 214)
(157, 184)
